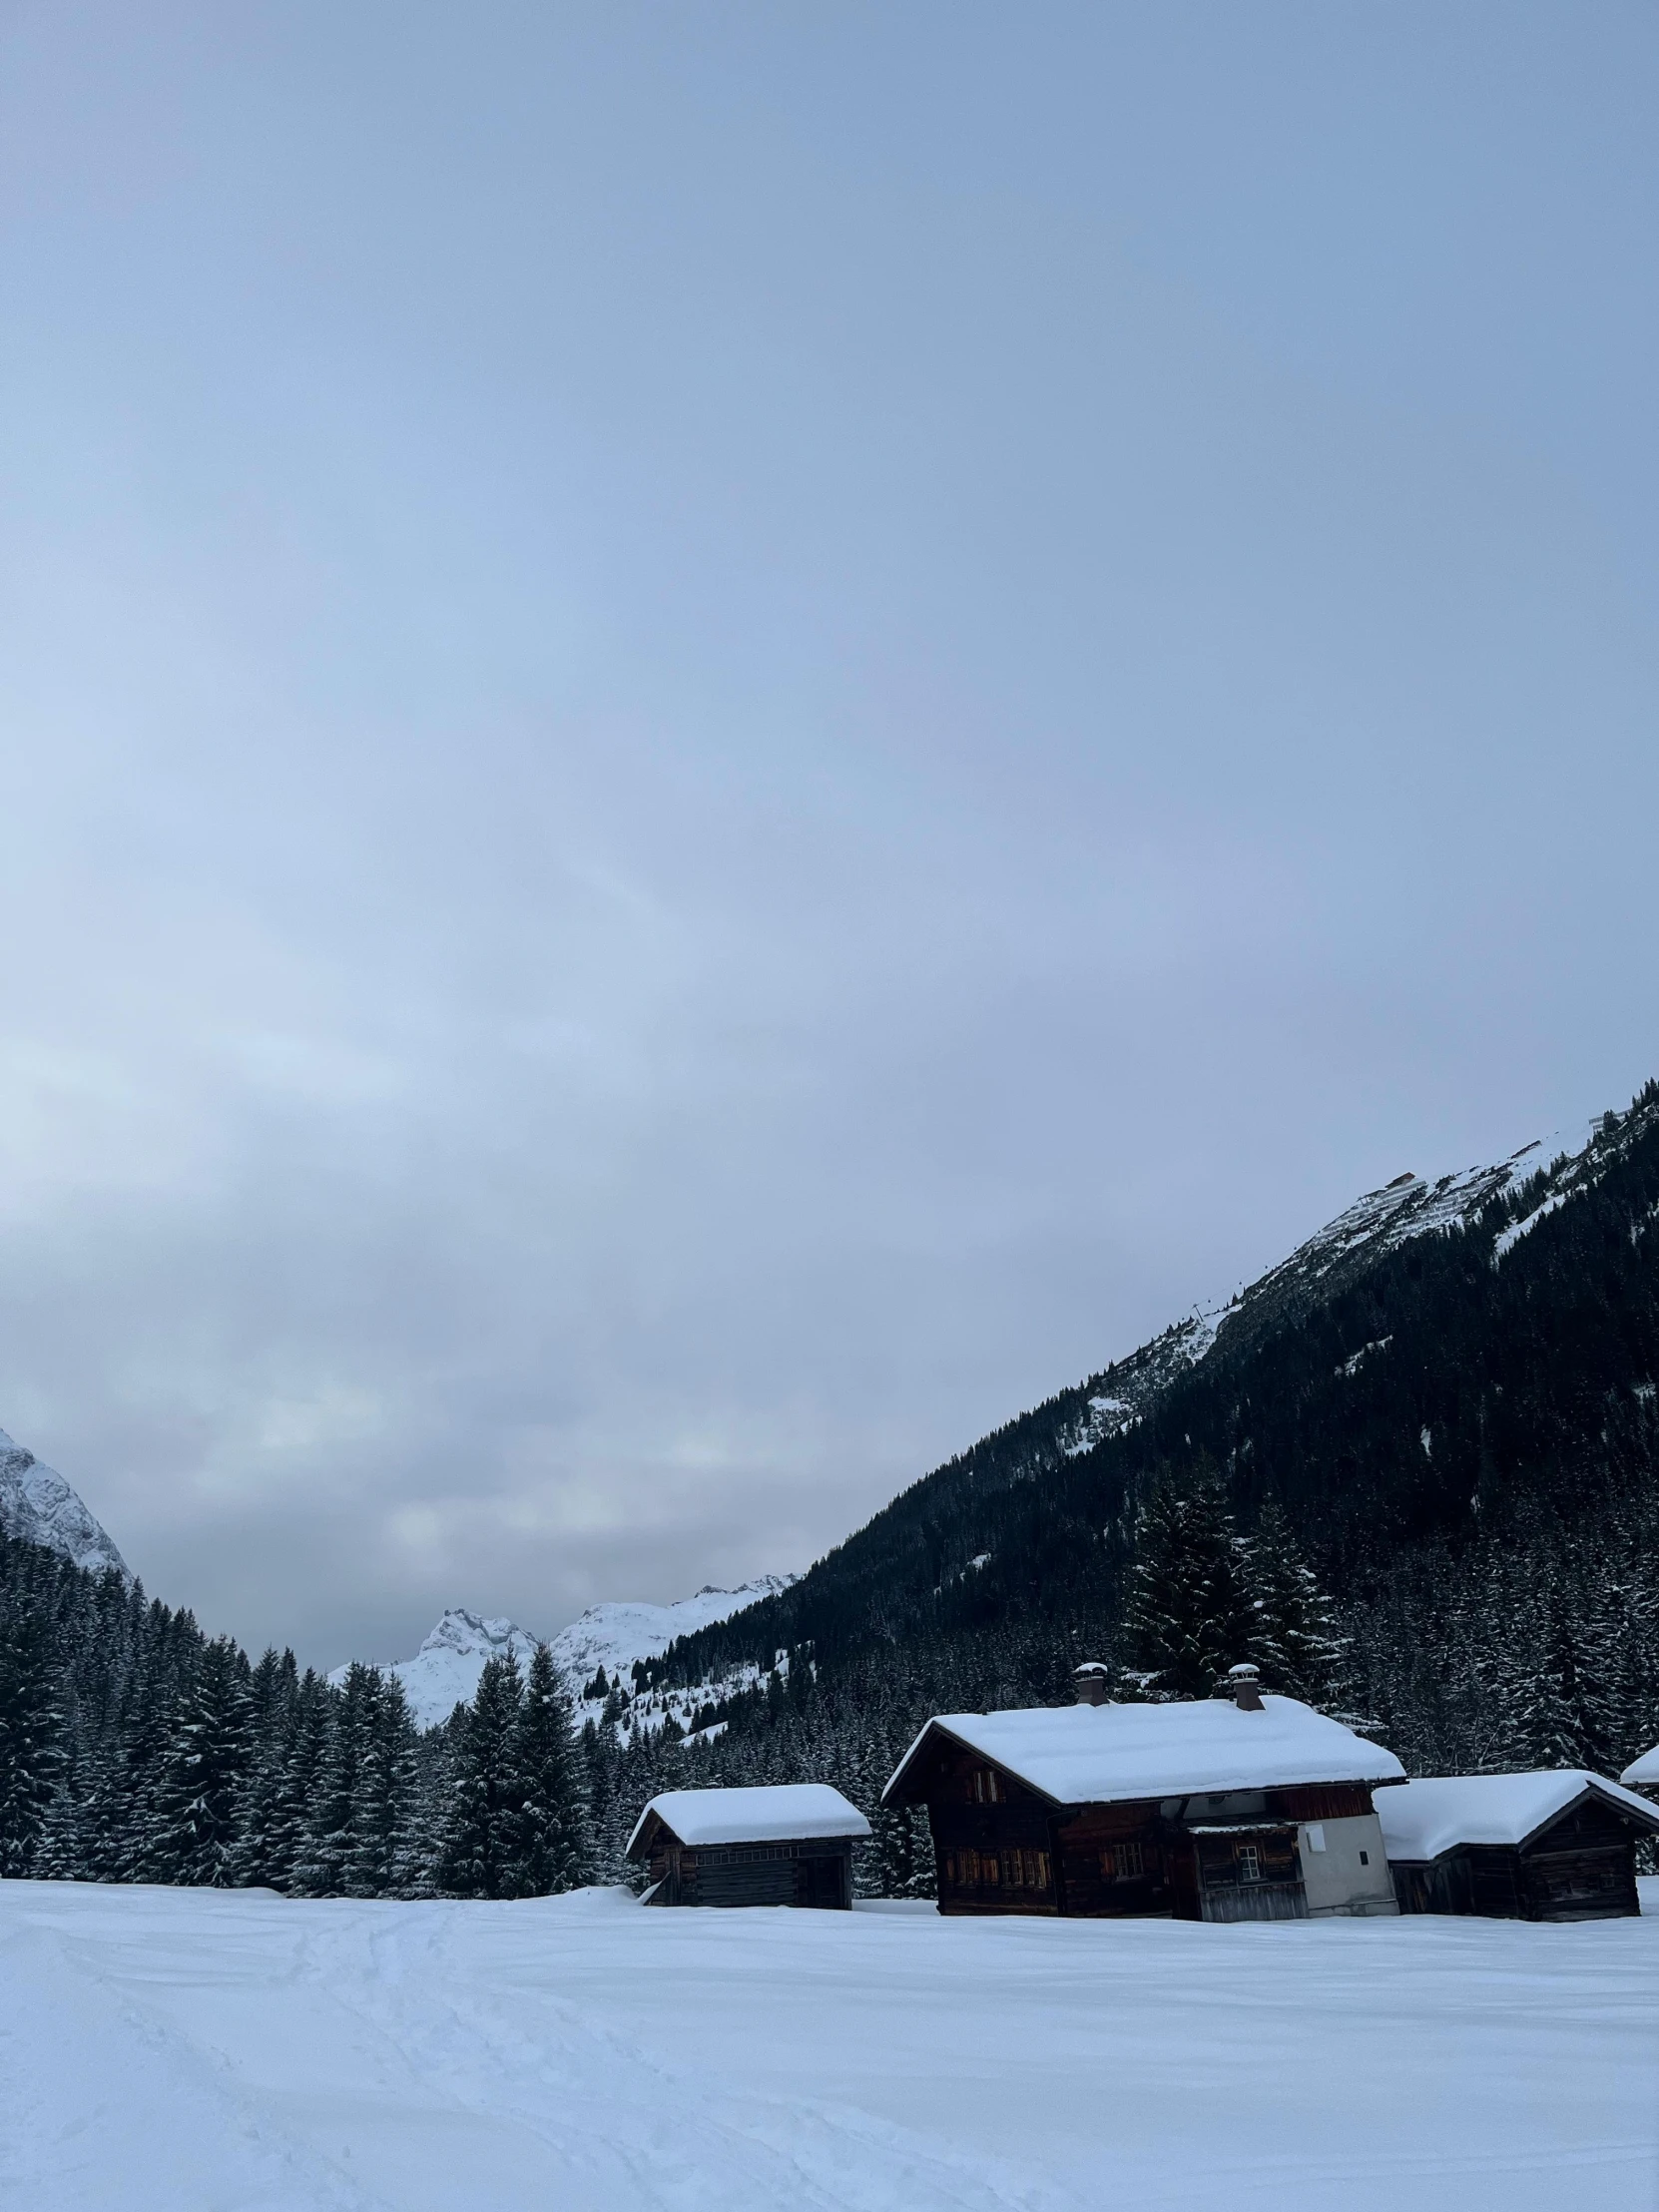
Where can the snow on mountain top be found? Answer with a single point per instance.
(445, 1672)
(770, 1812)
(614, 1635)
(1115, 1754)
(1429, 1817)
(37, 1507)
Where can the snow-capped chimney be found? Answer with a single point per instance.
(1246, 1687)
(1090, 1682)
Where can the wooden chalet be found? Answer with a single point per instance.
(1234, 1807)
(791, 1844)
(1517, 1846)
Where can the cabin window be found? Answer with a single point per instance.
(1249, 1863)
(1027, 1870)
(1124, 1861)
(970, 1867)
(987, 1789)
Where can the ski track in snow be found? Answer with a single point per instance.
(237, 2052)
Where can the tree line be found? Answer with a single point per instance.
(133, 1748)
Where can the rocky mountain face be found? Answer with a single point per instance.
(37, 1507)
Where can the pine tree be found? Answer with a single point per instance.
(1188, 1615)
(193, 1832)
(1294, 1640)
(31, 1731)
(383, 1784)
(261, 1858)
(483, 1838)
(1559, 1714)
(556, 1849)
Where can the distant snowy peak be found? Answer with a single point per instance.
(37, 1507)
(613, 1636)
(445, 1672)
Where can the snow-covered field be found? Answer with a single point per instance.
(186, 2050)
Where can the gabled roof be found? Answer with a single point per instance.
(1113, 1754)
(1438, 1815)
(1644, 1770)
(786, 1813)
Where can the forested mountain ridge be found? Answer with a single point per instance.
(1452, 1380)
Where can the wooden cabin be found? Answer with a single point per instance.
(789, 1845)
(1517, 1846)
(1234, 1807)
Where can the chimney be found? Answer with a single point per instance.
(1246, 1687)
(1090, 1682)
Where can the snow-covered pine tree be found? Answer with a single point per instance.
(258, 1860)
(283, 1848)
(383, 1787)
(480, 1851)
(1188, 1615)
(193, 1832)
(556, 1851)
(1561, 1700)
(31, 1731)
(324, 1855)
(1295, 1639)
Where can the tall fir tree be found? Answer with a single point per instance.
(197, 1795)
(31, 1731)
(556, 1847)
(1295, 1640)
(482, 1844)
(1188, 1614)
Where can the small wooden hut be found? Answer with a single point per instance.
(786, 1845)
(1234, 1807)
(1517, 1846)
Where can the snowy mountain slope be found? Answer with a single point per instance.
(37, 1507)
(978, 1541)
(445, 1672)
(613, 1636)
(1412, 1206)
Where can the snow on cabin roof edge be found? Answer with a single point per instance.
(1435, 1814)
(1118, 1754)
(764, 1813)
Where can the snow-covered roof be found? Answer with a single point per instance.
(775, 1814)
(1643, 1771)
(1430, 1817)
(1109, 1754)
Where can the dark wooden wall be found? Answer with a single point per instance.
(1581, 1866)
(814, 1873)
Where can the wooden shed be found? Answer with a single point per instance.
(1235, 1807)
(1551, 1846)
(789, 1844)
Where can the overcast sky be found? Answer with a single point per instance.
(729, 735)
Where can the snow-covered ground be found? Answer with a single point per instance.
(191, 2051)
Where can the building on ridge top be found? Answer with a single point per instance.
(1235, 1807)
